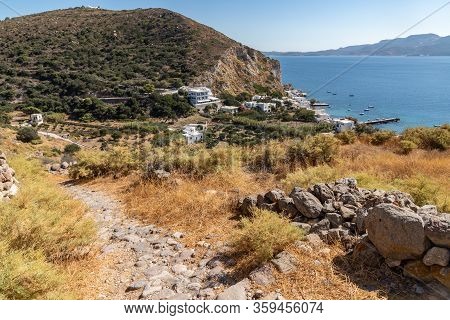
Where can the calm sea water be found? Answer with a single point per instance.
(414, 89)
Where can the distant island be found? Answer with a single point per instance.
(415, 45)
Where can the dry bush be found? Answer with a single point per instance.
(25, 274)
(198, 207)
(93, 164)
(328, 273)
(429, 138)
(262, 236)
(314, 150)
(423, 174)
(41, 230)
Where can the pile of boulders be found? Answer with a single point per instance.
(8, 182)
(375, 226)
(62, 167)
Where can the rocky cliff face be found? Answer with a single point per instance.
(239, 69)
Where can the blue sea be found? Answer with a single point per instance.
(414, 89)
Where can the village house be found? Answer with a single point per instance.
(342, 125)
(200, 97)
(194, 133)
(229, 109)
(262, 106)
(36, 119)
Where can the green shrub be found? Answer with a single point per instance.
(309, 176)
(314, 150)
(406, 146)
(5, 119)
(27, 135)
(54, 117)
(429, 138)
(262, 236)
(71, 148)
(116, 135)
(347, 137)
(381, 137)
(31, 110)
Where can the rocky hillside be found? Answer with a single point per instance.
(81, 52)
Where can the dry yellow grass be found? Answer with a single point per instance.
(200, 208)
(423, 174)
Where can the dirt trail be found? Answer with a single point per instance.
(144, 261)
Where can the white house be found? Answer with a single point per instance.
(229, 109)
(250, 104)
(263, 106)
(194, 133)
(36, 119)
(342, 125)
(201, 96)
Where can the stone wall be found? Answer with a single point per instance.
(374, 226)
(8, 182)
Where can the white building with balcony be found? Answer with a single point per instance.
(201, 97)
(194, 133)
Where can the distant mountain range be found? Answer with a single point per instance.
(416, 45)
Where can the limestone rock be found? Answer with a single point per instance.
(437, 256)
(247, 204)
(235, 292)
(262, 276)
(275, 195)
(397, 233)
(335, 219)
(284, 262)
(306, 228)
(306, 203)
(437, 229)
(322, 225)
(55, 167)
(287, 207)
(322, 192)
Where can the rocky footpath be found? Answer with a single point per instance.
(148, 262)
(9, 186)
(373, 225)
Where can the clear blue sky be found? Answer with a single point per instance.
(284, 25)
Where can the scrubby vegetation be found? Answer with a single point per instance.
(102, 53)
(198, 161)
(41, 231)
(27, 134)
(260, 237)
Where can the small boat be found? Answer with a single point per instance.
(328, 91)
(334, 94)
(366, 109)
(437, 126)
(349, 109)
(371, 107)
(351, 95)
(361, 114)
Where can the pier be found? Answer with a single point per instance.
(381, 121)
